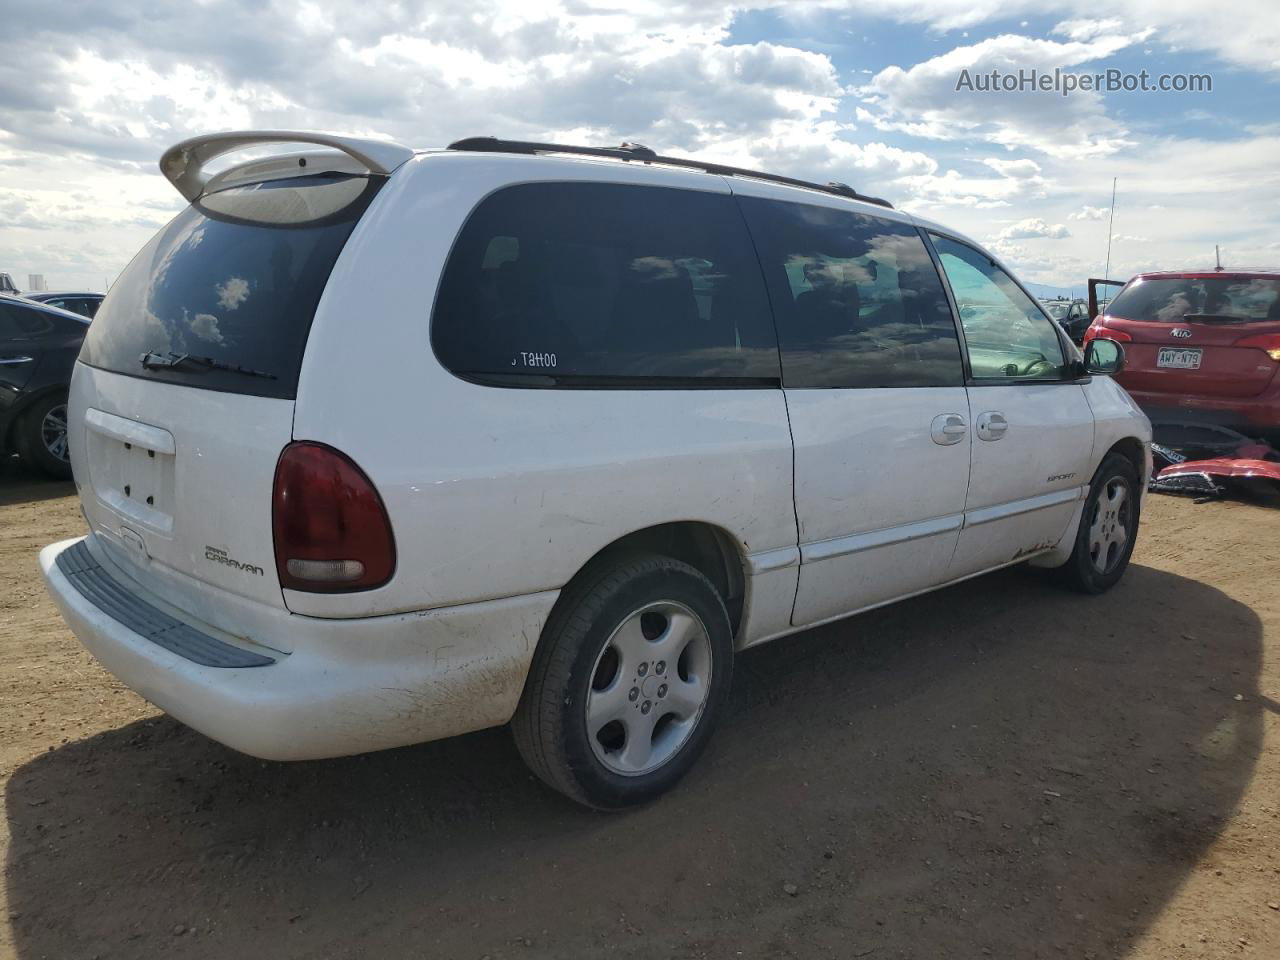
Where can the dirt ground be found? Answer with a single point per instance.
(999, 769)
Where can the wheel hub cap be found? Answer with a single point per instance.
(1109, 529)
(648, 688)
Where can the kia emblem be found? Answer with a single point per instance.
(1181, 333)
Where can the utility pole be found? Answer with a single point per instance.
(1110, 225)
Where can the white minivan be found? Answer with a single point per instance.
(378, 446)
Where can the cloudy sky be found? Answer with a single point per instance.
(92, 92)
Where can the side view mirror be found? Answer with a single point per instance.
(1103, 356)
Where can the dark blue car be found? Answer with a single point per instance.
(38, 348)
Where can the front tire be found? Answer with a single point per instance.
(1108, 527)
(42, 437)
(630, 678)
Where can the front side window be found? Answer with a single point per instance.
(1007, 335)
(857, 299)
(599, 284)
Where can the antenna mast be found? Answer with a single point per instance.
(1110, 224)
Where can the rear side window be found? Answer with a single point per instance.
(19, 322)
(9, 328)
(1223, 299)
(233, 281)
(596, 284)
(857, 299)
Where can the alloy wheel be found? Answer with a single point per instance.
(53, 432)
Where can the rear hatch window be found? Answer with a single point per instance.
(223, 297)
(1202, 299)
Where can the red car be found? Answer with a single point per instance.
(1200, 347)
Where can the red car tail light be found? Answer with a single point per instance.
(1268, 343)
(332, 533)
(1096, 330)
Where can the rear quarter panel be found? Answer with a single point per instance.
(498, 492)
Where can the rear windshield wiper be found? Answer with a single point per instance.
(1215, 318)
(152, 360)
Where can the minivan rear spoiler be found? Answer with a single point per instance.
(183, 163)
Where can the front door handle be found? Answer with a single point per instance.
(992, 425)
(948, 428)
(13, 361)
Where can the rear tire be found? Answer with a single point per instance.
(629, 679)
(1108, 528)
(42, 437)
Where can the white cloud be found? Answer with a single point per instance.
(1087, 29)
(1168, 215)
(232, 293)
(1019, 258)
(205, 326)
(1246, 34)
(1089, 213)
(1019, 169)
(1034, 227)
(951, 189)
(87, 109)
(924, 100)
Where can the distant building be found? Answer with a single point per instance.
(36, 282)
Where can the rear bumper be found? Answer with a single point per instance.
(349, 686)
(1242, 413)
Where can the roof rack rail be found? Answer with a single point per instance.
(642, 154)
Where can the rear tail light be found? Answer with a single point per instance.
(1268, 343)
(1096, 330)
(332, 533)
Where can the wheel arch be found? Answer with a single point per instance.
(707, 547)
(1132, 449)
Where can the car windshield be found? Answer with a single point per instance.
(1058, 309)
(1170, 299)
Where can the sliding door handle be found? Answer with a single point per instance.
(948, 428)
(992, 425)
